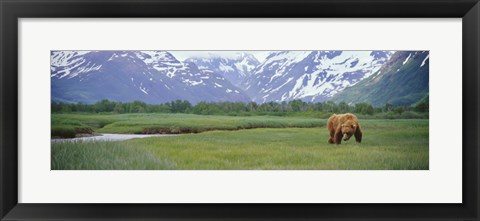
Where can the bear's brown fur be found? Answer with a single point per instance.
(343, 125)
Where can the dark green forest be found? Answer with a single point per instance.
(292, 108)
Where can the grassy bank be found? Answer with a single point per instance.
(387, 145)
(171, 123)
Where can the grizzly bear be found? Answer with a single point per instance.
(343, 126)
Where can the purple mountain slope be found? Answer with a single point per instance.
(148, 76)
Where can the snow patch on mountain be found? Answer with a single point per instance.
(406, 59)
(310, 75)
(64, 58)
(424, 60)
(234, 67)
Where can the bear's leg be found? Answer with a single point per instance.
(338, 136)
(358, 134)
(331, 138)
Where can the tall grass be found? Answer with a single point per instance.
(104, 156)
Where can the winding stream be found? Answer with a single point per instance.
(111, 137)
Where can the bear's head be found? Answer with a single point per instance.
(349, 128)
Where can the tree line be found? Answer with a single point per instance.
(228, 108)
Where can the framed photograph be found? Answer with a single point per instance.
(323, 110)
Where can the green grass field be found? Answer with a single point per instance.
(239, 143)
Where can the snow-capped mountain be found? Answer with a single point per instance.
(312, 76)
(375, 77)
(235, 67)
(403, 80)
(149, 76)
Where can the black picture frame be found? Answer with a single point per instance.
(12, 10)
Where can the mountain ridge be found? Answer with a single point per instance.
(403, 80)
(311, 76)
(149, 76)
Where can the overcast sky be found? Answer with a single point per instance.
(182, 55)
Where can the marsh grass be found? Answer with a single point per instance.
(69, 131)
